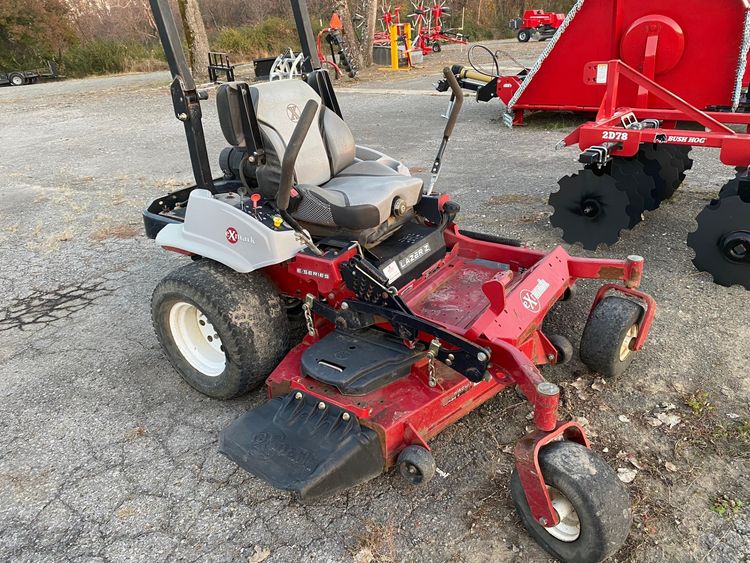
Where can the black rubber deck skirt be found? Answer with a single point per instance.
(296, 445)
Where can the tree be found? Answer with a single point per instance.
(195, 37)
(371, 22)
(356, 47)
(31, 30)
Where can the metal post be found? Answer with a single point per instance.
(185, 96)
(306, 35)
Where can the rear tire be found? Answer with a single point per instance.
(593, 504)
(609, 332)
(436, 47)
(224, 332)
(524, 35)
(17, 79)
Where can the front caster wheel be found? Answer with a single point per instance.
(592, 504)
(223, 331)
(609, 334)
(564, 348)
(416, 465)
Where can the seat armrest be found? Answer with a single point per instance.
(366, 153)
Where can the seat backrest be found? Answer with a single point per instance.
(278, 106)
(328, 148)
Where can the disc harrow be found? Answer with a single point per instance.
(636, 158)
(591, 208)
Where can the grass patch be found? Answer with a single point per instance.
(265, 39)
(111, 57)
(727, 506)
(699, 403)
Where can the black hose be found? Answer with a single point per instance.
(491, 238)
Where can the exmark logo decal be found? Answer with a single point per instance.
(233, 236)
(293, 113)
(531, 299)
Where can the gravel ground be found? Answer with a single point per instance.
(108, 455)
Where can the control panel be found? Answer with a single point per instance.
(255, 207)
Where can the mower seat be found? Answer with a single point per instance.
(341, 187)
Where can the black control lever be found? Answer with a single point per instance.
(458, 95)
(287, 171)
(292, 151)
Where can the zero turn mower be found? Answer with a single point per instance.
(411, 322)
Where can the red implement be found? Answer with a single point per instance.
(696, 49)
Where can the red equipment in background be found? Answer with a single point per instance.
(694, 48)
(537, 22)
(427, 22)
(429, 37)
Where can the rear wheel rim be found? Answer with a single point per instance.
(568, 529)
(197, 339)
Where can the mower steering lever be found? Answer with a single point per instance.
(292, 151)
(457, 95)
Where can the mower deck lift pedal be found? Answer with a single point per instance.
(357, 363)
(301, 444)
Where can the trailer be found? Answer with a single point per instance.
(21, 77)
(694, 48)
(537, 23)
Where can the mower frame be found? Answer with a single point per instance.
(509, 330)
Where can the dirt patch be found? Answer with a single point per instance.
(510, 199)
(376, 544)
(120, 232)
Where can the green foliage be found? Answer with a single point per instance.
(699, 403)
(479, 32)
(32, 30)
(727, 506)
(107, 57)
(267, 38)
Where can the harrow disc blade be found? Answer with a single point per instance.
(681, 161)
(590, 209)
(722, 241)
(732, 187)
(657, 163)
(639, 186)
(682, 153)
